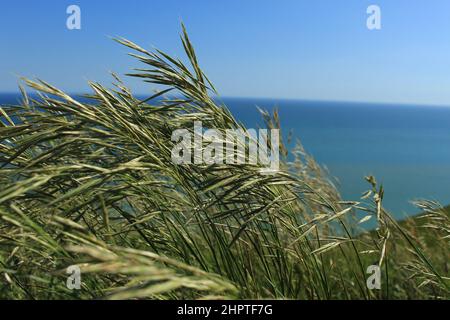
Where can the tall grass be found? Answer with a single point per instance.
(91, 183)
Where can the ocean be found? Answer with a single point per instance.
(406, 147)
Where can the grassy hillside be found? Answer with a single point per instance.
(92, 185)
(429, 220)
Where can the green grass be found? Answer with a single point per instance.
(92, 184)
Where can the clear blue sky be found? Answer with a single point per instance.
(307, 49)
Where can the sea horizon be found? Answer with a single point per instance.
(274, 99)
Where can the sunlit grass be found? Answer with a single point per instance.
(92, 184)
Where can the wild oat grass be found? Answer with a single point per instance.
(92, 184)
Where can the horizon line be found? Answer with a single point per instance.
(406, 104)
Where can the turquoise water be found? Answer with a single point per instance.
(407, 148)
